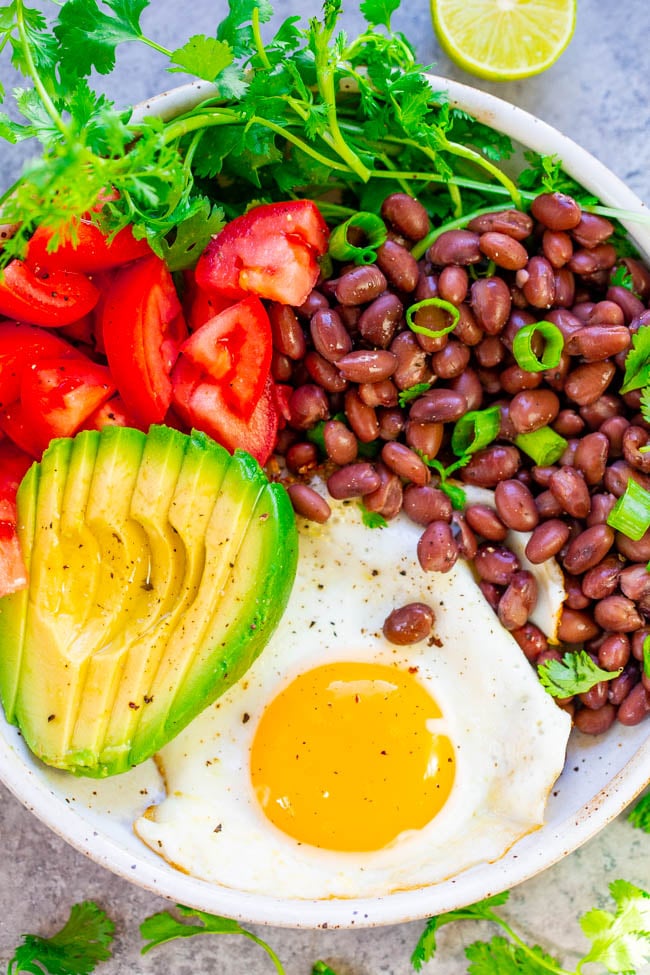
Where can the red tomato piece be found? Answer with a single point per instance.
(14, 464)
(271, 251)
(142, 327)
(200, 403)
(84, 247)
(112, 413)
(198, 305)
(21, 347)
(235, 349)
(49, 299)
(13, 574)
(58, 395)
(17, 427)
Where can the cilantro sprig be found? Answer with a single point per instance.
(83, 942)
(576, 673)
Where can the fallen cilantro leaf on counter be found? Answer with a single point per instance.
(82, 942)
(163, 927)
(576, 673)
(620, 941)
(426, 946)
(501, 957)
(639, 815)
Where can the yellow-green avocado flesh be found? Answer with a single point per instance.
(159, 566)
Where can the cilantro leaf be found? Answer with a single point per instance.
(320, 968)
(426, 946)
(192, 236)
(545, 175)
(645, 404)
(371, 519)
(412, 392)
(501, 957)
(637, 361)
(205, 57)
(236, 29)
(82, 942)
(620, 941)
(639, 816)
(88, 37)
(576, 673)
(622, 278)
(379, 12)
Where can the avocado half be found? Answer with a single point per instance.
(159, 566)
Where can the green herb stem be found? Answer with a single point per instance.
(269, 950)
(48, 104)
(466, 153)
(423, 245)
(257, 39)
(535, 956)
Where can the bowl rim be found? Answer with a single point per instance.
(31, 787)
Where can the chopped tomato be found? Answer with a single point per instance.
(198, 305)
(271, 251)
(281, 396)
(50, 299)
(14, 464)
(112, 413)
(142, 327)
(235, 350)
(84, 247)
(21, 347)
(200, 403)
(58, 395)
(17, 427)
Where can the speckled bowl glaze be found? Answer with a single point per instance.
(602, 775)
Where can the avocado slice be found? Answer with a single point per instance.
(159, 567)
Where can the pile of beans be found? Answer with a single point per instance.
(348, 352)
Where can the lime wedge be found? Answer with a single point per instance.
(504, 39)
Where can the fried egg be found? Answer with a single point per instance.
(345, 766)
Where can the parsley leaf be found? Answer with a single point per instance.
(88, 37)
(426, 946)
(205, 57)
(620, 941)
(379, 12)
(371, 519)
(501, 957)
(637, 362)
(412, 392)
(576, 673)
(76, 949)
(639, 816)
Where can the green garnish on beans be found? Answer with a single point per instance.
(522, 347)
(475, 430)
(432, 303)
(544, 446)
(373, 230)
(576, 673)
(631, 513)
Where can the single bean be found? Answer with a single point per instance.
(575, 597)
(514, 223)
(308, 405)
(406, 214)
(631, 306)
(455, 247)
(467, 541)
(453, 284)
(620, 686)
(557, 247)
(288, 336)
(635, 706)
(564, 285)
(490, 352)
(606, 313)
(634, 439)
(618, 475)
(576, 626)
(361, 418)
(436, 320)
(557, 211)
(425, 438)
(438, 406)
(324, 373)
(638, 639)
(568, 423)
(409, 624)
(329, 335)
(587, 383)
(539, 287)
(634, 582)
(532, 409)
(591, 457)
(598, 342)
(312, 303)
(491, 301)
(491, 593)
(618, 614)
(490, 380)
(614, 652)
(548, 505)
(308, 503)
(437, 548)
(596, 696)
(427, 286)
(595, 722)
(281, 367)
(592, 230)
(514, 379)
(496, 564)
(547, 539)
(367, 365)
(531, 640)
(360, 285)
(353, 481)
(468, 385)
(379, 394)
(398, 265)
(468, 331)
(340, 443)
(566, 321)
(426, 504)
(602, 579)
(601, 506)
(583, 308)
(515, 505)
(588, 261)
(588, 549)
(569, 487)
(378, 322)
(492, 464)
(634, 550)
(543, 475)
(518, 601)
(405, 463)
(450, 361)
(301, 457)
(387, 499)
(504, 250)
(412, 364)
(392, 421)
(568, 456)
(485, 521)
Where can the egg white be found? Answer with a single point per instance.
(509, 736)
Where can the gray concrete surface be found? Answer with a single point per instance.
(599, 93)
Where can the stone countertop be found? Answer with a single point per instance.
(599, 94)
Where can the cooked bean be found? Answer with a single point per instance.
(450, 361)
(405, 462)
(353, 481)
(437, 548)
(595, 722)
(557, 211)
(301, 457)
(412, 364)
(606, 313)
(467, 541)
(548, 505)
(514, 379)
(634, 582)
(543, 475)
(634, 550)
(531, 640)
(515, 223)
(312, 303)
(576, 626)
(398, 265)
(631, 306)
(308, 503)
(426, 504)
(383, 393)
(424, 437)
(455, 247)
(360, 285)
(491, 301)
(329, 335)
(570, 489)
(490, 352)
(638, 639)
(468, 331)
(634, 439)
(496, 564)
(518, 601)
(592, 230)
(387, 499)
(640, 275)
(618, 614)
(547, 540)
(564, 288)
(618, 475)
(468, 385)
(620, 686)
(588, 549)
(539, 286)
(406, 214)
(591, 457)
(288, 336)
(532, 409)
(568, 423)
(596, 696)
(635, 706)
(597, 342)
(515, 505)
(492, 464)
(490, 380)
(614, 652)
(614, 428)
(575, 597)
(361, 418)
(324, 373)
(591, 260)
(602, 579)
(340, 443)
(601, 506)
(485, 521)
(367, 365)
(568, 455)
(438, 406)
(453, 284)
(308, 405)
(378, 322)
(391, 422)
(409, 624)
(281, 367)
(504, 250)
(491, 593)
(557, 247)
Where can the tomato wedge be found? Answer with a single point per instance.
(58, 395)
(21, 347)
(84, 247)
(49, 299)
(112, 413)
(271, 251)
(235, 349)
(198, 305)
(200, 403)
(142, 327)
(14, 464)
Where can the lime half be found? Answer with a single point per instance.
(504, 39)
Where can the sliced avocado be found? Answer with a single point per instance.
(181, 559)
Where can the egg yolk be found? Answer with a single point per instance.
(343, 757)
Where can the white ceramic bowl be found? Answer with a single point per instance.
(601, 776)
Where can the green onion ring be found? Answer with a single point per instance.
(432, 303)
(522, 346)
(631, 513)
(374, 228)
(475, 430)
(545, 446)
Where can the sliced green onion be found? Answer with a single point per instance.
(374, 230)
(475, 430)
(646, 656)
(545, 446)
(432, 303)
(631, 513)
(522, 346)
